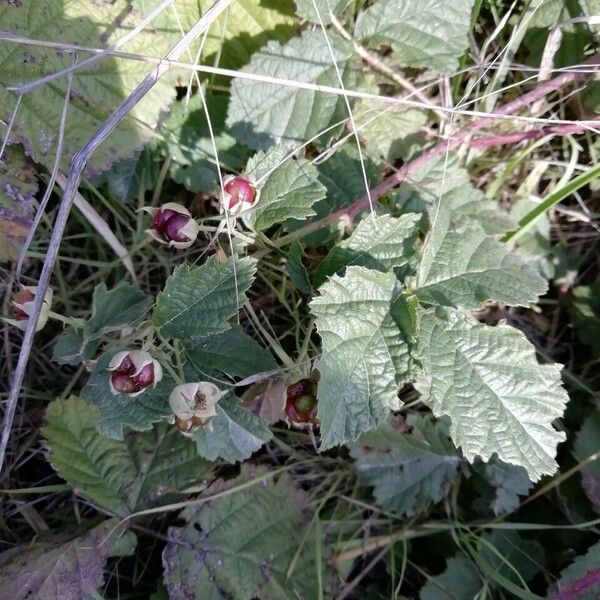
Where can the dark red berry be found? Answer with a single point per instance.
(172, 232)
(300, 388)
(161, 218)
(124, 381)
(21, 298)
(240, 190)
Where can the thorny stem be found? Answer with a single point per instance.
(575, 589)
(76, 169)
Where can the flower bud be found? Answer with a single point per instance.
(194, 405)
(301, 403)
(239, 195)
(22, 306)
(172, 224)
(132, 372)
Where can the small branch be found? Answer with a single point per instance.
(76, 169)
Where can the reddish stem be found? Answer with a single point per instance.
(541, 90)
(532, 134)
(576, 588)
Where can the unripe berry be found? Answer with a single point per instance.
(301, 404)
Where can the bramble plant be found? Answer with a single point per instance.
(336, 254)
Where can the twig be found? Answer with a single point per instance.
(76, 169)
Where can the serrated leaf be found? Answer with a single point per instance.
(68, 349)
(422, 33)
(296, 269)
(378, 242)
(18, 186)
(509, 482)
(574, 575)
(198, 301)
(459, 581)
(142, 471)
(488, 381)
(288, 193)
(234, 433)
(447, 180)
(263, 114)
(587, 443)
(68, 570)
(118, 410)
(392, 133)
(408, 471)
(232, 352)
(241, 545)
(305, 9)
(365, 353)
(112, 309)
(461, 266)
(96, 91)
(188, 143)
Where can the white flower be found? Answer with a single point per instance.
(194, 405)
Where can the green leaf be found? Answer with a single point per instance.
(587, 443)
(188, 144)
(233, 352)
(233, 434)
(488, 381)
(409, 471)
(296, 269)
(70, 347)
(577, 570)
(306, 9)
(68, 570)
(288, 192)
(584, 310)
(461, 266)
(390, 133)
(263, 114)
(447, 180)
(241, 544)
(422, 33)
(509, 482)
(379, 242)
(118, 410)
(365, 353)
(142, 471)
(113, 309)
(18, 187)
(96, 90)
(234, 36)
(198, 301)
(459, 581)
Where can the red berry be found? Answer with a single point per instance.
(240, 190)
(300, 388)
(161, 218)
(174, 226)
